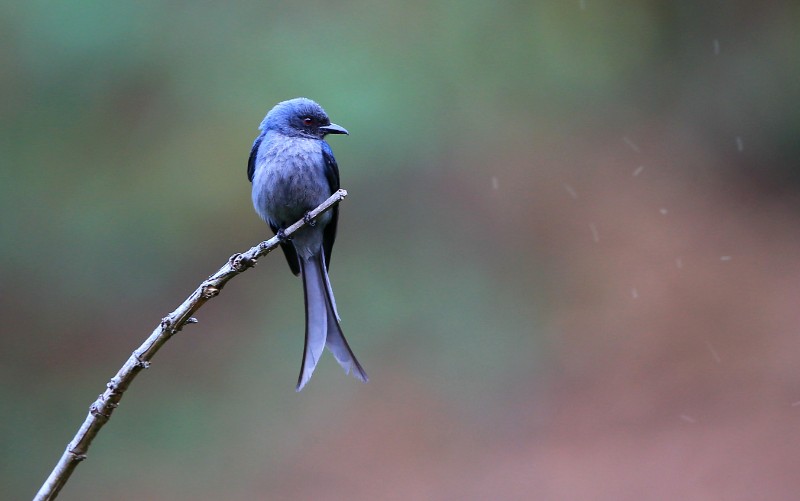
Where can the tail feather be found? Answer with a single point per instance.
(335, 340)
(316, 321)
(322, 323)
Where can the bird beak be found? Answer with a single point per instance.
(334, 129)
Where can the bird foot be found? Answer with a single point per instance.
(309, 220)
(282, 238)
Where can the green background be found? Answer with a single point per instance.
(568, 260)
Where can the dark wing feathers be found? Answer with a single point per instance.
(332, 174)
(289, 252)
(331, 168)
(251, 162)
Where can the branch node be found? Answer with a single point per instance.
(94, 409)
(240, 263)
(168, 325)
(112, 385)
(209, 291)
(144, 364)
(75, 456)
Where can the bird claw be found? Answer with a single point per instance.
(308, 219)
(282, 238)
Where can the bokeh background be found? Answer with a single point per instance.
(568, 261)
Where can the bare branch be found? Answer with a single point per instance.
(100, 411)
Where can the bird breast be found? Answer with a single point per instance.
(289, 179)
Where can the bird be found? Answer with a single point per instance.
(293, 170)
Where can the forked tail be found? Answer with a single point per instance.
(322, 323)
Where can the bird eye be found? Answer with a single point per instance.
(308, 121)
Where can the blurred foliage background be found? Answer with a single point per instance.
(568, 260)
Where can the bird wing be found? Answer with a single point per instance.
(251, 162)
(332, 175)
(288, 251)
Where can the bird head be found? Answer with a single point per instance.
(300, 117)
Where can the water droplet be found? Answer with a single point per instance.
(630, 143)
(595, 234)
(714, 353)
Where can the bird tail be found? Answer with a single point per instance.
(322, 323)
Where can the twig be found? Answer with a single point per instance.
(100, 411)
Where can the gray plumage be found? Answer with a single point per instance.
(293, 170)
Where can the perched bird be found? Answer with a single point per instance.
(293, 170)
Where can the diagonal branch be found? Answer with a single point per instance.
(100, 411)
